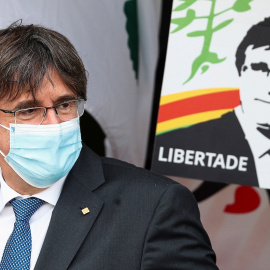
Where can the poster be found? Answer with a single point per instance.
(214, 112)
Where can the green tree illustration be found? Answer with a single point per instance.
(206, 57)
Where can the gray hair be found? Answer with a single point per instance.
(29, 52)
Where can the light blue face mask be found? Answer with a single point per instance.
(43, 154)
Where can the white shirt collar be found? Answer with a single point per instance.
(49, 195)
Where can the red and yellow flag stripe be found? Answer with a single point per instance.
(192, 107)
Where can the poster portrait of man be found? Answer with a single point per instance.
(233, 147)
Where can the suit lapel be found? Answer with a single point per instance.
(69, 225)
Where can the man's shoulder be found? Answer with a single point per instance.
(138, 187)
(123, 177)
(123, 171)
(123, 174)
(114, 169)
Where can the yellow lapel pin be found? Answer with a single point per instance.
(85, 210)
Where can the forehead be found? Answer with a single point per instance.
(261, 54)
(51, 91)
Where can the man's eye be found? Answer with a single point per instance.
(27, 113)
(64, 105)
(67, 106)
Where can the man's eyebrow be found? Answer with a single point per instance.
(25, 104)
(64, 98)
(262, 66)
(36, 103)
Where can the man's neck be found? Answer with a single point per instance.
(18, 184)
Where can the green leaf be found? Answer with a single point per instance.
(202, 61)
(222, 25)
(186, 4)
(213, 58)
(183, 22)
(196, 34)
(205, 68)
(241, 5)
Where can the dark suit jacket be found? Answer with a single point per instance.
(220, 136)
(137, 220)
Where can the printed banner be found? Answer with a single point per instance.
(214, 114)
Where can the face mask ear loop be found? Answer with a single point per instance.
(0, 150)
(5, 127)
(2, 154)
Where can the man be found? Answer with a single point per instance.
(90, 212)
(234, 148)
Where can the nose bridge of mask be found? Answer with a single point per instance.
(21, 129)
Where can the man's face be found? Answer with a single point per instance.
(255, 85)
(49, 94)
